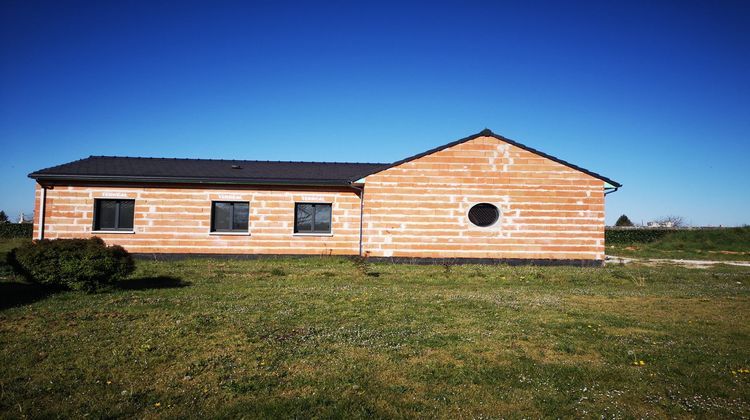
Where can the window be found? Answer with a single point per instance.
(484, 214)
(227, 216)
(312, 218)
(114, 215)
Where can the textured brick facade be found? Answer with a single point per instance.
(548, 210)
(416, 209)
(178, 219)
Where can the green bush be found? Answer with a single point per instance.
(629, 236)
(16, 230)
(77, 264)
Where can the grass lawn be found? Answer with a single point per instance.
(326, 337)
(727, 244)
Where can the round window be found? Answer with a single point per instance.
(484, 214)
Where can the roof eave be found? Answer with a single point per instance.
(186, 180)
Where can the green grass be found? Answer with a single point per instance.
(327, 337)
(7, 244)
(726, 244)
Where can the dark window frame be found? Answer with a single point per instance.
(231, 217)
(96, 219)
(313, 231)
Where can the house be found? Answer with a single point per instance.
(666, 224)
(480, 198)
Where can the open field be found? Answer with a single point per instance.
(720, 244)
(328, 337)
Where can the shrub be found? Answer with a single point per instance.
(361, 264)
(16, 230)
(77, 264)
(629, 236)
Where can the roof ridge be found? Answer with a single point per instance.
(230, 160)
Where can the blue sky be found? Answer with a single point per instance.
(655, 95)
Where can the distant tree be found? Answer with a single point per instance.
(623, 221)
(676, 221)
(3, 217)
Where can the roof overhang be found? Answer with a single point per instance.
(57, 178)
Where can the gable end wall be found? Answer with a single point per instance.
(548, 210)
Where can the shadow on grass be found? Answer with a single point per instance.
(17, 294)
(158, 282)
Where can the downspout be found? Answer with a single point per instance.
(42, 201)
(361, 214)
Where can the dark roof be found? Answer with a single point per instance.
(488, 133)
(116, 168)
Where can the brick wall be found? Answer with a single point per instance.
(419, 208)
(178, 219)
